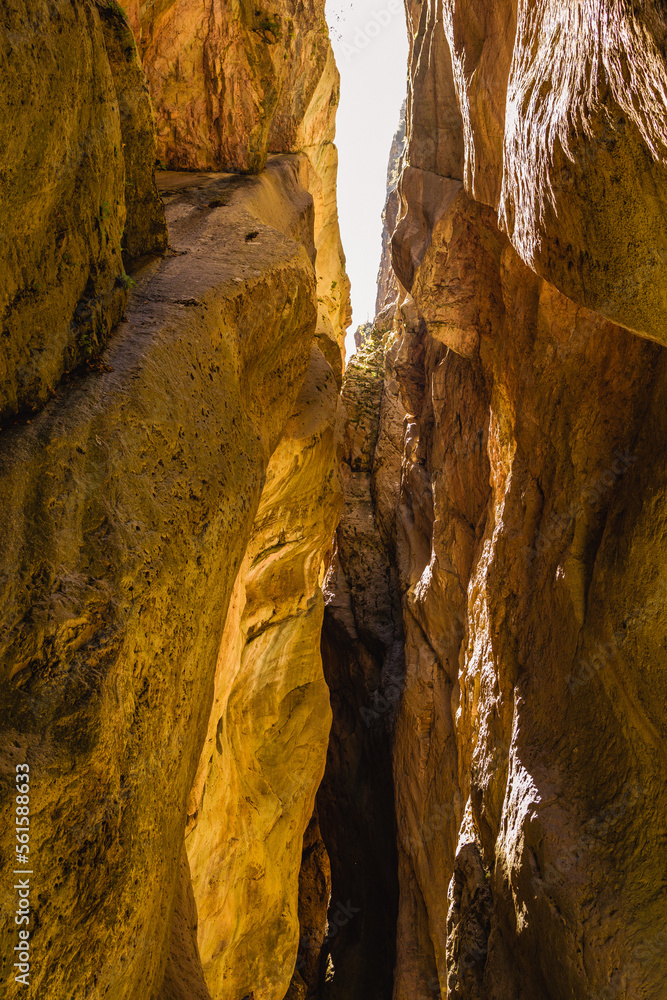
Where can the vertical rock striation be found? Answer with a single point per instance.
(527, 534)
(232, 86)
(170, 509)
(362, 653)
(265, 749)
(387, 287)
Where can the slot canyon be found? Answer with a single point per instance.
(331, 678)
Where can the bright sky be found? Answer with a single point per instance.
(370, 43)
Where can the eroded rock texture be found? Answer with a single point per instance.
(265, 750)
(564, 123)
(491, 823)
(131, 500)
(387, 286)
(234, 83)
(362, 653)
(78, 194)
(168, 517)
(525, 818)
(528, 529)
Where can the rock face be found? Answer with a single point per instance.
(387, 286)
(575, 161)
(78, 194)
(363, 652)
(233, 84)
(145, 226)
(268, 730)
(182, 622)
(169, 512)
(513, 494)
(524, 535)
(151, 475)
(314, 894)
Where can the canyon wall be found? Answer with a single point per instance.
(387, 286)
(169, 470)
(79, 197)
(415, 754)
(523, 392)
(234, 84)
(363, 653)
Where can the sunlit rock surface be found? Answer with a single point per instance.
(231, 84)
(235, 83)
(130, 502)
(564, 111)
(387, 286)
(269, 726)
(78, 196)
(512, 491)
(171, 509)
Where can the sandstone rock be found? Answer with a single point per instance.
(129, 502)
(434, 131)
(233, 86)
(264, 753)
(184, 977)
(575, 161)
(145, 226)
(362, 652)
(314, 896)
(387, 286)
(424, 199)
(583, 195)
(527, 744)
(443, 498)
(518, 462)
(494, 803)
(333, 285)
(71, 193)
(457, 283)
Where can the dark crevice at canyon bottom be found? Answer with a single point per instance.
(331, 681)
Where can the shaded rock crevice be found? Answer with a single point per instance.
(363, 664)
